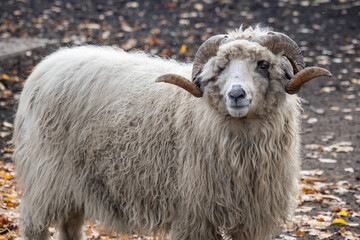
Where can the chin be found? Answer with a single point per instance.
(238, 112)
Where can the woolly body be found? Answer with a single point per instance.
(96, 138)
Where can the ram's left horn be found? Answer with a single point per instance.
(182, 82)
(295, 83)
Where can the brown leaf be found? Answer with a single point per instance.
(131, 43)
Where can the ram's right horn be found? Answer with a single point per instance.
(295, 83)
(281, 43)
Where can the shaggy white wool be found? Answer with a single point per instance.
(96, 138)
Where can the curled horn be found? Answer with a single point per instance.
(280, 43)
(295, 83)
(182, 82)
(207, 50)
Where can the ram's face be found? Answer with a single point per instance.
(243, 79)
(246, 77)
(242, 85)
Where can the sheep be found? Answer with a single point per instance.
(98, 137)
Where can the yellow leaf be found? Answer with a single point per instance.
(5, 76)
(343, 213)
(308, 190)
(6, 176)
(182, 49)
(300, 233)
(124, 238)
(339, 221)
(9, 150)
(9, 199)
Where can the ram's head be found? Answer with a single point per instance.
(239, 75)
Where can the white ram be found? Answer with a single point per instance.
(96, 138)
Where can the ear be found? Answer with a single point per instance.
(182, 82)
(287, 68)
(205, 73)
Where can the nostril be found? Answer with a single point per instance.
(237, 92)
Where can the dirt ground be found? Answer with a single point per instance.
(328, 32)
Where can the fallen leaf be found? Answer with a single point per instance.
(343, 213)
(328, 89)
(340, 147)
(2, 87)
(334, 108)
(7, 125)
(352, 96)
(304, 209)
(132, 5)
(348, 117)
(6, 176)
(4, 134)
(339, 221)
(182, 49)
(305, 116)
(131, 43)
(313, 146)
(355, 81)
(5, 77)
(312, 120)
(9, 150)
(327, 160)
(312, 172)
(308, 190)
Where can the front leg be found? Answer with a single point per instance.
(246, 233)
(194, 230)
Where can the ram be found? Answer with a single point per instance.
(97, 138)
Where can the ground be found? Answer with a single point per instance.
(327, 32)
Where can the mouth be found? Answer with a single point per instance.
(239, 105)
(238, 109)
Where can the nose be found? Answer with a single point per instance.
(237, 92)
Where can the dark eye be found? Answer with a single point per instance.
(220, 69)
(262, 68)
(263, 65)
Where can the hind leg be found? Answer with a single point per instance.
(72, 228)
